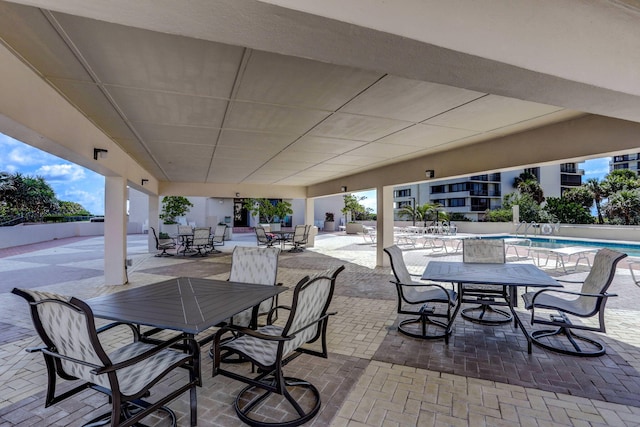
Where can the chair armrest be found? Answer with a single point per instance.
(423, 285)
(566, 292)
(145, 355)
(134, 329)
(247, 331)
(570, 281)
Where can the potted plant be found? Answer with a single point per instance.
(173, 207)
(269, 211)
(353, 208)
(329, 223)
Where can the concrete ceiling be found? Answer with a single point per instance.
(191, 107)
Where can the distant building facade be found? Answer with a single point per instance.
(471, 196)
(625, 161)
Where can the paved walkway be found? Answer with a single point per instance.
(373, 376)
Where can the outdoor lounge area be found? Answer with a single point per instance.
(373, 375)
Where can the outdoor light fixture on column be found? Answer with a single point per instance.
(429, 173)
(144, 181)
(99, 152)
(343, 189)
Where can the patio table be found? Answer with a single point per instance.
(184, 304)
(508, 275)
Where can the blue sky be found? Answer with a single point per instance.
(71, 183)
(74, 183)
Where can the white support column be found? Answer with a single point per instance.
(309, 217)
(384, 224)
(115, 230)
(154, 220)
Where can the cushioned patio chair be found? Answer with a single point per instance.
(487, 296)
(414, 298)
(217, 239)
(200, 242)
(272, 347)
(163, 244)
(72, 351)
(588, 302)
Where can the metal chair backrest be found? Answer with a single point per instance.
(68, 326)
(398, 265)
(218, 233)
(299, 234)
(599, 278)
(261, 235)
(487, 251)
(201, 236)
(185, 229)
(311, 299)
(254, 265)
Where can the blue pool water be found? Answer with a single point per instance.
(553, 242)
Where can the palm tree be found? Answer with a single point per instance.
(625, 204)
(420, 212)
(597, 192)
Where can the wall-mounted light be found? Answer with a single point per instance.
(237, 194)
(343, 188)
(144, 181)
(430, 173)
(99, 152)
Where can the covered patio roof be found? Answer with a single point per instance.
(288, 97)
(299, 99)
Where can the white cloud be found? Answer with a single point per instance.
(61, 172)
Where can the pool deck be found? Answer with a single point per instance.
(373, 376)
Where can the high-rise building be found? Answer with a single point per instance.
(625, 161)
(471, 196)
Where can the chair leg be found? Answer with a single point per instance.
(597, 348)
(500, 316)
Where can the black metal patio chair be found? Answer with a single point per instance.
(588, 302)
(420, 300)
(272, 347)
(487, 296)
(163, 244)
(72, 350)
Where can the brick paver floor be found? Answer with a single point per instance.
(373, 376)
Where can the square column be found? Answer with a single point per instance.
(115, 230)
(154, 220)
(384, 224)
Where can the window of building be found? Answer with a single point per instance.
(568, 168)
(439, 201)
(570, 180)
(621, 166)
(438, 189)
(460, 186)
(479, 189)
(403, 193)
(534, 171)
(400, 205)
(456, 203)
(480, 204)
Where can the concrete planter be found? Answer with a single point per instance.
(329, 226)
(354, 228)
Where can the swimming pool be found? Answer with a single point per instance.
(559, 242)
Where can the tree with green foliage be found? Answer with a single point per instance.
(623, 207)
(173, 207)
(28, 196)
(567, 211)
(268, 209)
(532, 187)
(352, 205)
(422, 212)
(72, 208)
(597, 192)
(529, 209)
